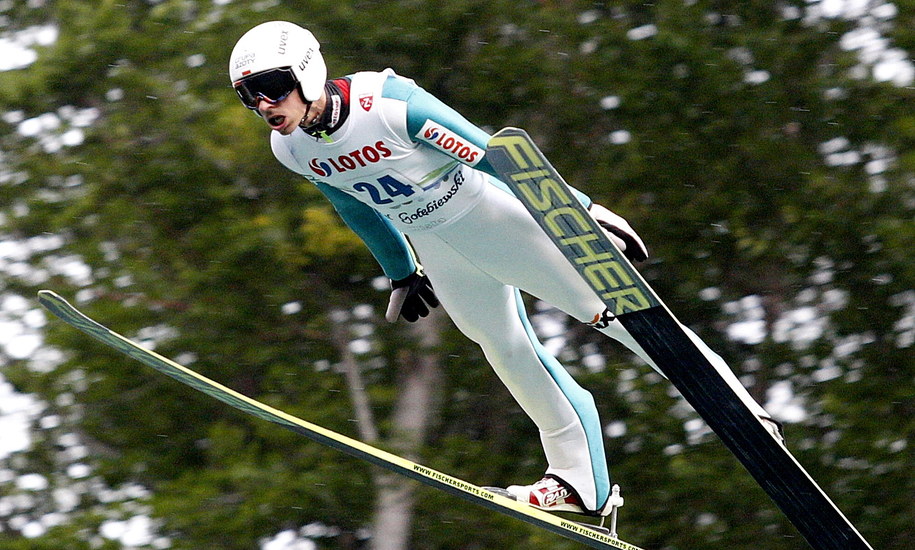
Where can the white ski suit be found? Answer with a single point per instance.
(405, 164)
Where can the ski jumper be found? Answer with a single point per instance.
(405, 165)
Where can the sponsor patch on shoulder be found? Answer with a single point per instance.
(450, 143)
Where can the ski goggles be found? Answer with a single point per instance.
(272, 86)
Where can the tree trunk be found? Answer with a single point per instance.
(419, 373)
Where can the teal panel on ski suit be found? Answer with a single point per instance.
(387, 244)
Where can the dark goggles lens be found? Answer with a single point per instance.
(273, 85)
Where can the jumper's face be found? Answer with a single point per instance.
(285, 115)
(273, 95)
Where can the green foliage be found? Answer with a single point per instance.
(708, 134)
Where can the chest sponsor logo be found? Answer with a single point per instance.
(358, 158)
(366, 101)
(450, 143)
(426, 211)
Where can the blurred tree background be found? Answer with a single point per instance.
(764, 151)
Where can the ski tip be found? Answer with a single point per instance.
(52, 301)
(47, 295)
(510, 131)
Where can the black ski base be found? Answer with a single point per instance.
(765, 458)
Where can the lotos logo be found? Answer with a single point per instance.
(320, 168)
(369, 154)
(450, 143)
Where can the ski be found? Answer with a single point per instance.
(523, 167)
(591, 536)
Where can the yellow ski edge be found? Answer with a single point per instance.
(570, 529)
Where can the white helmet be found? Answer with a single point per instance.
(280, 44)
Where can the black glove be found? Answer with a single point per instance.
(411, 298)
